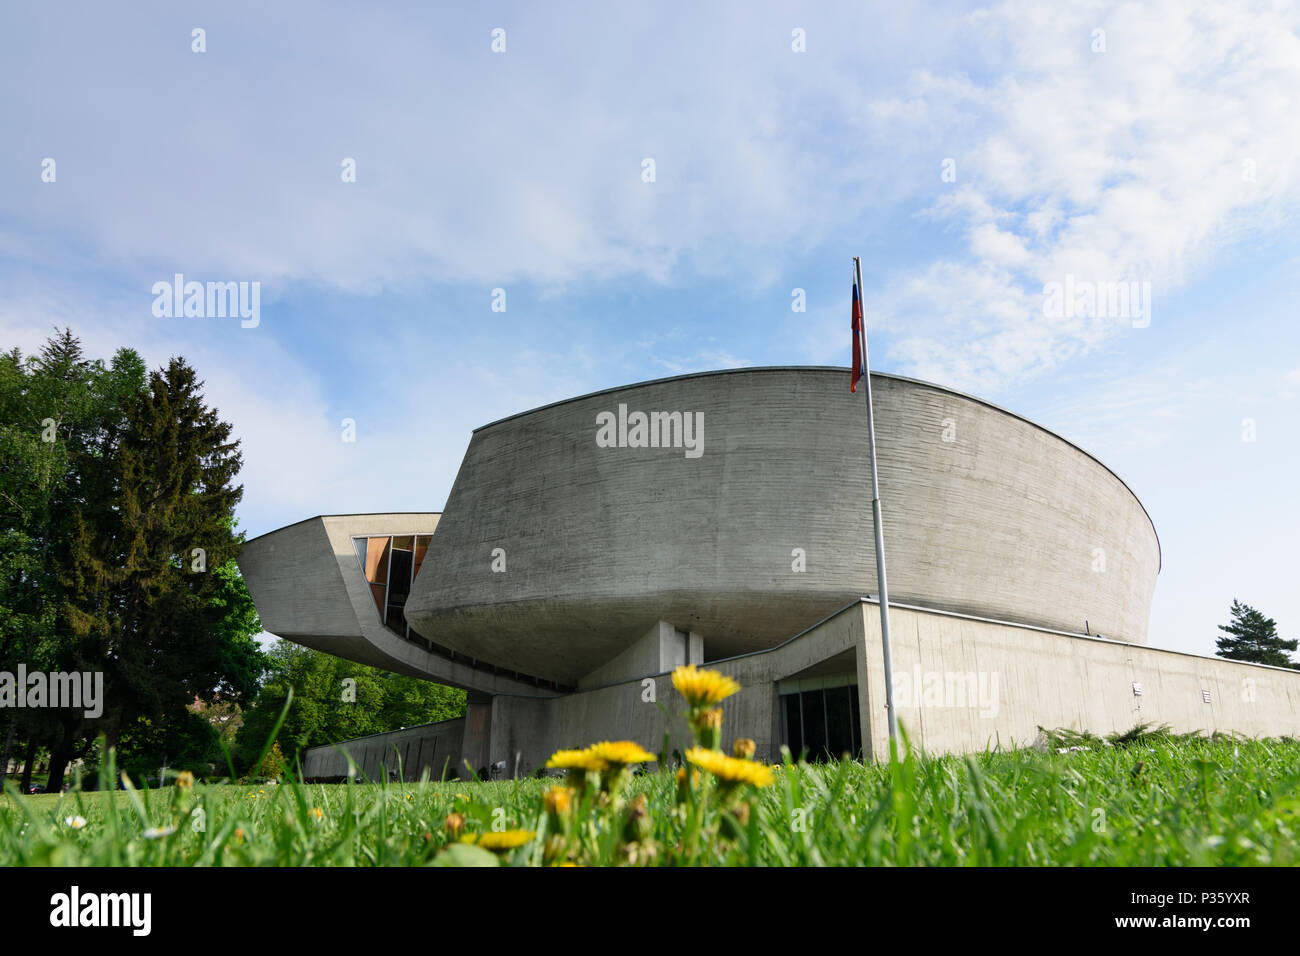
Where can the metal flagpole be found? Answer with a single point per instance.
(875, 515)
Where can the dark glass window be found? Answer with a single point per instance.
(857, 722)
(839, 722)
(814, 722)
(793, 725)
(399, 587)
(821, 724)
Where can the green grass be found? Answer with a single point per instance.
(1157, 800)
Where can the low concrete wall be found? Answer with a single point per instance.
(1032, 678)
(961, 684)
(430, 747)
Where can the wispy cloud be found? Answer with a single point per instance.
(1125, 142)
(1162, 158)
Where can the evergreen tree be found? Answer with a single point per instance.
(1253, 637)
(146, 569)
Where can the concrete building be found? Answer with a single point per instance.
(589, 546)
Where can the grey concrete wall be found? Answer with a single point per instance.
(1005, 520)
(1031, 677)
(533, 730)
(432, 748)
(1054, 680)
(475, 740)
(294, 578)
(659, 650)
(309, 588)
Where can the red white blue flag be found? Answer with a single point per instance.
(856, 325)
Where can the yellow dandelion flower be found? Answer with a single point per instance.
(317, 813)
(729, 770)
(499, 842)
(577, 760)
(621, 752)
(455, 822)
(558, 800)
(185, 780)
(744, 748)
(703, 687)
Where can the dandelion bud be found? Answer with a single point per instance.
(708, 728)
(744, 748)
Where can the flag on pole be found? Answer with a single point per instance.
(856, 325)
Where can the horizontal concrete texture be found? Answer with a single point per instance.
(660, 649)
(409, 753)
(309, 588)
(645, 708)
(555, 554)
(964, 684)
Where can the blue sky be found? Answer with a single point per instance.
(1169, 155)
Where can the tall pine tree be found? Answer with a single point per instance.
(1253, 637)
(141, 593)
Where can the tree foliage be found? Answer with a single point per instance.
(336, 699)
(1250, 636)
(117, 542)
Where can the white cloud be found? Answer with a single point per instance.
(1132, 164)
(1136, 163)
(488, 170)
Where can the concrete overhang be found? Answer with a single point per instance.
(309, 588)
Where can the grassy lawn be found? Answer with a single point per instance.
(1172, 801)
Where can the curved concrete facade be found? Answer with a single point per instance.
(985, 513)
(309, 588)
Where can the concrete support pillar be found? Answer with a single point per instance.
(695, 648)
(478, 732)
(873, 725)
(658, 651)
